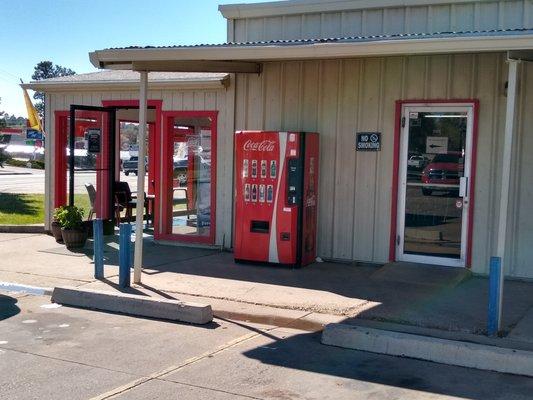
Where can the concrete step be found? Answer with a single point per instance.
(32, 228)
(133, 304)
(523, 331)
(485, 356)
(422, 274)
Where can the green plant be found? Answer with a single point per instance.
(69, 217)
(57, 213)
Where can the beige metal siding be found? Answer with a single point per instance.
(477, 15)
(175, 100)
(340, 97)
(520, 241)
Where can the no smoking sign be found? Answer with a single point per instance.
(368, 141)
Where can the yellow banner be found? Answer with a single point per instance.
(33, 117)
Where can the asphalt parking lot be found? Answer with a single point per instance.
(51, 352)
(26, 180)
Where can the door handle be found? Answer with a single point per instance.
(463, 186)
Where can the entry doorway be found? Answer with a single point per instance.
(84, 158)
(98, 182)
(435, 184)
(189, 176)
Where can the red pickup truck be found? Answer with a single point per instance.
(444, 169)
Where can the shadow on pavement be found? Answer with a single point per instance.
(462, 308)
(305, 352)
(8, 307)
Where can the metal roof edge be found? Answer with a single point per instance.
(188, 84)
(121, 58)
(291, 7)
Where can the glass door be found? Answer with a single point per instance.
(433, 196)
(190, 153)
(90, 160)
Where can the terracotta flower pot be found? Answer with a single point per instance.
(74, 238)
(56, 231)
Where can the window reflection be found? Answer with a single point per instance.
(435, 164)
(191, 177)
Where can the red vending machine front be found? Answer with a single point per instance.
(276, 180)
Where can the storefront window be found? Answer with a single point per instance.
(190, 193)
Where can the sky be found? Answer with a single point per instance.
(65, 31)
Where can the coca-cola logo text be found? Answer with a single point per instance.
(265, 145)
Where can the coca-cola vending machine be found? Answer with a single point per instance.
(276, 187)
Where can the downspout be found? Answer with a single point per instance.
(506, 176)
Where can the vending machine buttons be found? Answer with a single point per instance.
(273, 169)
(254, 192)
(254, 168)
(245, 168)
(261, 193)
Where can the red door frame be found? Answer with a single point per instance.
(61, 135)
(154, 140)
(396, 164)
(61, 160)
(166, 165)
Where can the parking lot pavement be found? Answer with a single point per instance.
(32, 181)
(59, 352)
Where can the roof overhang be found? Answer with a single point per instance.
(248, 57)
(108, 85)
(274, 8)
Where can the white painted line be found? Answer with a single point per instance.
(51, 305)
(16, 287)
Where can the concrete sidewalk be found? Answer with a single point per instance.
(352, 292)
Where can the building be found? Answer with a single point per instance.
(447, 84)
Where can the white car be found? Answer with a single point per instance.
(417, 162)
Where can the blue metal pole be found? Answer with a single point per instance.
(494, 296)
(124, 255)
(98, 241)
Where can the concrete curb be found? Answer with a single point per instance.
(131, 304)
(22, 229)
(445, 351)
(15, 287)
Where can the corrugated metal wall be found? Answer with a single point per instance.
(477, 15)
(340, 97)
(176, 100)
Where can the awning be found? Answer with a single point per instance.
(127, 80)
(248, 57)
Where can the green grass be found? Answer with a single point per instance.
(21, 209)
(26, 209)
(82, 201)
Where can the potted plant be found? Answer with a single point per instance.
(73, 231)
(56, 226)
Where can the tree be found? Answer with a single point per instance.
(3, 116)
(46, 70)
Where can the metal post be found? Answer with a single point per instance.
(506, 177)
(124, 255)
(98, 241)
(139, 217)
(493, 324)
